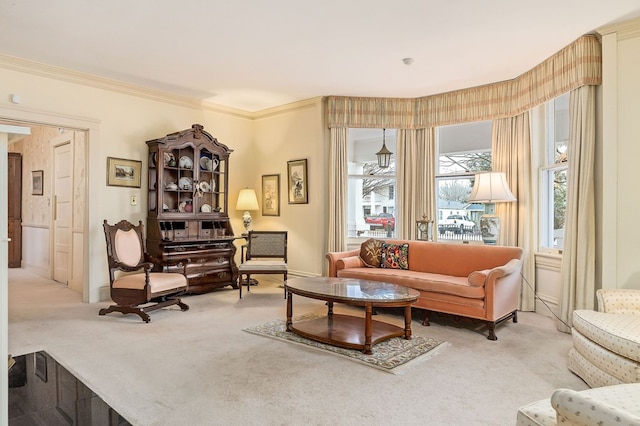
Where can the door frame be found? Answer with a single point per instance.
(27, 117)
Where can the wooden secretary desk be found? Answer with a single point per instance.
(188, 219)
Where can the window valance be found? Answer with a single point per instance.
(576, 65)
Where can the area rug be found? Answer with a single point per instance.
(393, 355)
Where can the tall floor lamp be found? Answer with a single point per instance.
(490, 188)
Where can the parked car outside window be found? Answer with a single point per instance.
(458, 224)
(382, 220)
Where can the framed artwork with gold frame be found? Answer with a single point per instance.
(297, 178)
(271, 195)
(123, 172)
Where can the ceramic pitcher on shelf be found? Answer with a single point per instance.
(214, 163)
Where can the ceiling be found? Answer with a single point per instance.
(255, 54)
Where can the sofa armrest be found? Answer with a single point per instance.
(580, 408)
(502, 289)
(334, 256)
(619, 301)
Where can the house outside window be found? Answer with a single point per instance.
(463, 150)
(553, 175)
(371, 204)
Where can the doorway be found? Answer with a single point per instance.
(53, 222)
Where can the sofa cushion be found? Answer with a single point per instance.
(395, 256)
(620, 333)
(421, 281)
(371, 252)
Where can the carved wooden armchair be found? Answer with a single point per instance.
(266, 254)
(126, 255)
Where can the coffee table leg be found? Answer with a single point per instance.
(289, 310)
(368, 329)
(407, 322)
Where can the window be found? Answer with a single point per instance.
(553, 174)
(463, 150)
(371, 203)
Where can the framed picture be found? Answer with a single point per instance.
(270, 195)
(297, 177)
(37, 182)
(121, 172)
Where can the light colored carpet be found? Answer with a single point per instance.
(199, 368)
(393, 355)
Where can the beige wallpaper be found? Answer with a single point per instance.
(36, 155)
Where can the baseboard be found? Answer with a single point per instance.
(104, 293)
(544, 304)
(301, 274)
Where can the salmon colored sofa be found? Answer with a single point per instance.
(474, 281)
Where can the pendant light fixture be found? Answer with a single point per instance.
(384, 155)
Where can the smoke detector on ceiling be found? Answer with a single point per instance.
(407, 61)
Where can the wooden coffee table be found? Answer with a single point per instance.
(349, 331)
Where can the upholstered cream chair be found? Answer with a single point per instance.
(606, 342)
(130, 288)
(609, 405)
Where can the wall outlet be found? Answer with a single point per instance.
(134, 200)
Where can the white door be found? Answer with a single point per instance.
(62, 211)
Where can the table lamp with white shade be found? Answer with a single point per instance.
(247, 201)
(490, 188)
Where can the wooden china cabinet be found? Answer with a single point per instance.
(188, 219)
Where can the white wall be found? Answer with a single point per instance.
(119, 123)
(292, 134)
(618, 194)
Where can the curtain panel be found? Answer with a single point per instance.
(511, 154)
(416, 177)
(577, 274)
(338, 177)
(576, 65)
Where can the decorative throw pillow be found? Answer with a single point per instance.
(395, 256)
(371, 252)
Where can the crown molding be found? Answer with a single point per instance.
(303, 104)
(624, 30)
(75, 77)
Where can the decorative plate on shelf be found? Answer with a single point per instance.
(206, 163)
(185, 183)
(185, 162)
(206, 208)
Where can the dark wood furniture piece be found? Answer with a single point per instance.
(345, 330)
(126, 253)
(266, 253)
(14, 199)
(188, 219)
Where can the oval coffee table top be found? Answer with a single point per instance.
(351, 289)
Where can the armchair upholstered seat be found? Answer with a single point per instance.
(266, 254)
(606, 343)
(608, 405)
(130, 288)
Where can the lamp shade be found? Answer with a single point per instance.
(247, 200)
(491, 187)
